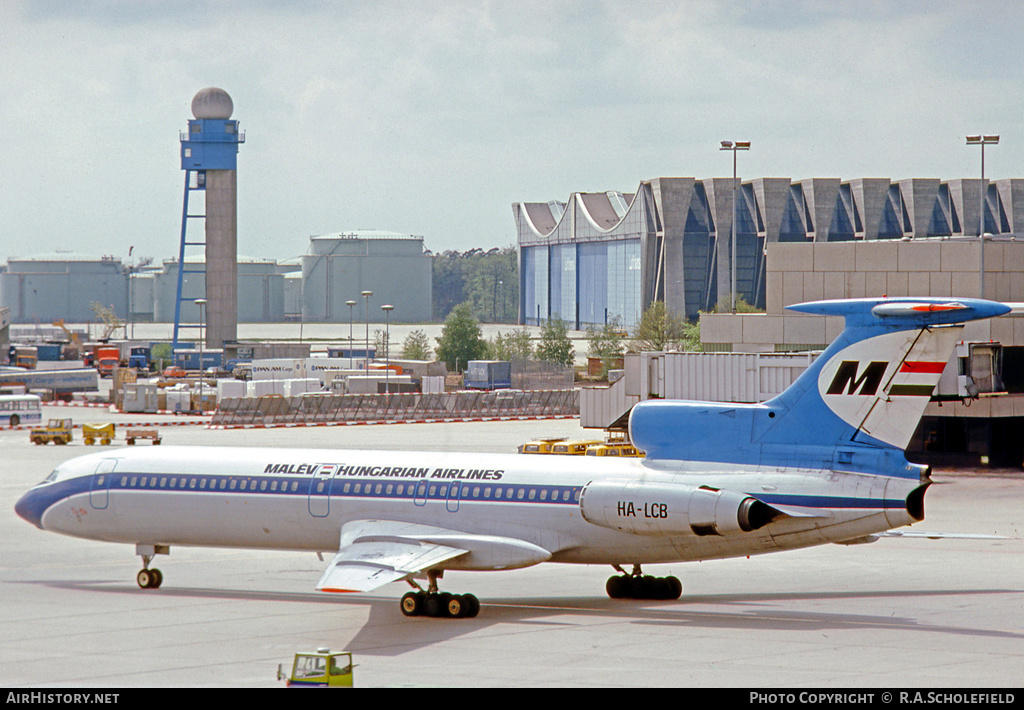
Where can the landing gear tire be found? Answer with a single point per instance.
(440, 605)
(149, 578)
(644, 587)
(463, 606)
(412, 603)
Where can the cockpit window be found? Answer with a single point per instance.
(52, 477)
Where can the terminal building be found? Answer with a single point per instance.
(605, 257)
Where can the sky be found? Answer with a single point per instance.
(433, 118)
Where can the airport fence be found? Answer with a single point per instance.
(275, 410)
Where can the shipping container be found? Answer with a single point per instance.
(61, 382)
(279, 369)
(488, 375)
(198, 360)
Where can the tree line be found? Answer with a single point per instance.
(486, 280)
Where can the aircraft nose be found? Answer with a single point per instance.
(29, 507)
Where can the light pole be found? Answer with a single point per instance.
(366, 351)
(982, 141)
(351, 343)
(131, 295)
(202, 336)
(387, 308)
(734, 146)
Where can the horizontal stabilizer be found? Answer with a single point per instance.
(940, 535)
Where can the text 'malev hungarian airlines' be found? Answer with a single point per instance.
(822, 462)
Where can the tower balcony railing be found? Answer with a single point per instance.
(234, 137)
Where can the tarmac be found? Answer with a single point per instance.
(899, 613)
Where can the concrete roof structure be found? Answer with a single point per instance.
(682, 229)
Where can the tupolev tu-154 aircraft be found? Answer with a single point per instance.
(822, 462)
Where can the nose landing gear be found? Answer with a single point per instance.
(150, 578)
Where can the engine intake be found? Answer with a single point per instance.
(646, 508)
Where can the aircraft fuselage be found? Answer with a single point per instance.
(301, 499)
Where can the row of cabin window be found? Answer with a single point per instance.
(509, 492)
(467, 492)
(201, 483)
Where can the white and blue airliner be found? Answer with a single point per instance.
(821, 463)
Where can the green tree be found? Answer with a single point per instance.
(516, 344)
(381, 343)
(416, 346)
(488, 281)
(742, 306)
(460, 339)
(657, 329)
(555, 345)
(162, 356)
(607, 341)
(691, 337)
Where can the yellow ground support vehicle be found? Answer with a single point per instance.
(573, 448)
(320, 669)
(104, 433)
(57, 430)
(540, 446)
(614, 449)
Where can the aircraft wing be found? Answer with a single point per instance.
(374, 552)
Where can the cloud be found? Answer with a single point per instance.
(433, 117)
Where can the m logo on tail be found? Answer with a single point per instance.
(846, 378)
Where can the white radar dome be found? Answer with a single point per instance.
(212, 102)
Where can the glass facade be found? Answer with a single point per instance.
(587, 270)
(605, 257)
(534, 284)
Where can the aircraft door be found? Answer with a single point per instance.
(320, 493)
(99, 488)
(452, 501)
(420, 497)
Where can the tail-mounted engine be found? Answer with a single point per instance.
(646, 508)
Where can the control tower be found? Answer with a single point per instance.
(209, 153)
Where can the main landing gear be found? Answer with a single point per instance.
(438, 604)
(637, 585)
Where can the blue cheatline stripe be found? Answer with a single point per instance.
(831, 501)
(368, 488)
(40, 499)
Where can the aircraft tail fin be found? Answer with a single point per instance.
(870, 386)
(879, 375)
